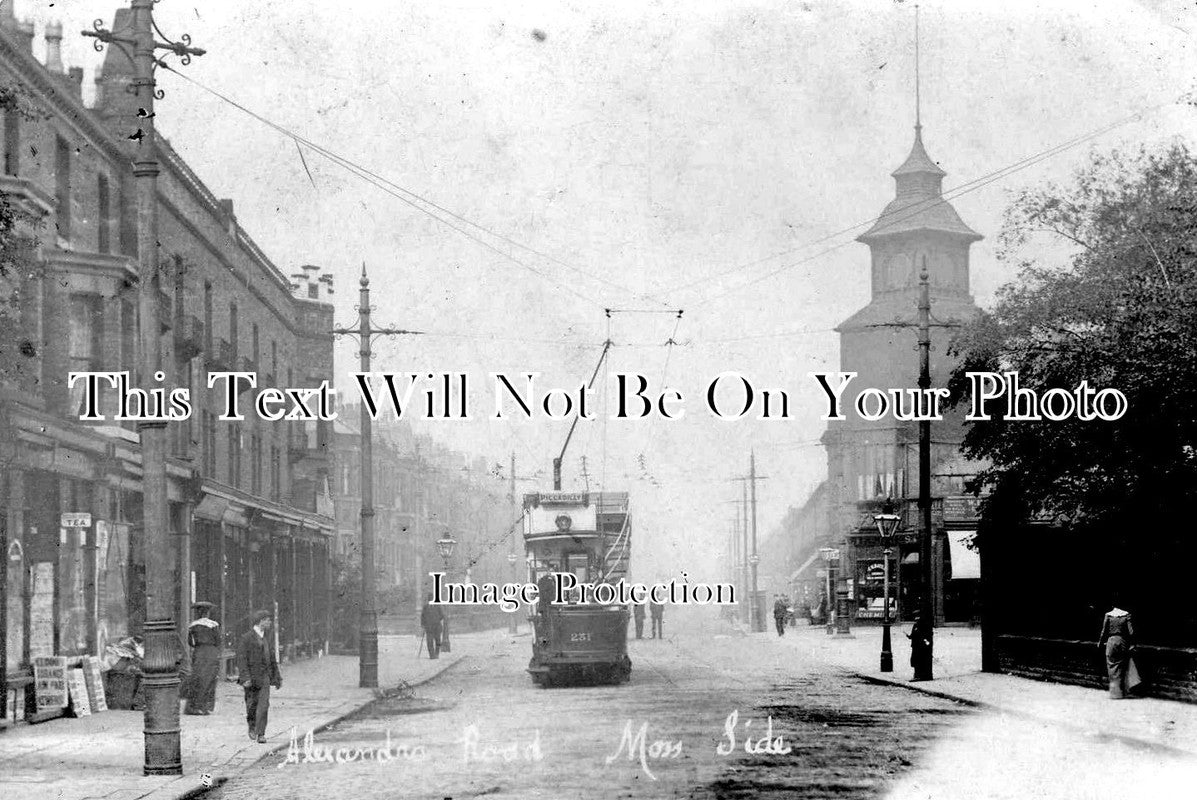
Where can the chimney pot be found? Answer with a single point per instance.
(54, 47)
(226, 205)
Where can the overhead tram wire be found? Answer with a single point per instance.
(953, 193)
(406, 195)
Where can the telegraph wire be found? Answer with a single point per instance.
(405, 195)
(919, 208)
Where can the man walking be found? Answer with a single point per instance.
(657, 610)
(257, 671)
(638, 616)
(432, 620)
(781, 610)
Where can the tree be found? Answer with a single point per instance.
(1118, 309)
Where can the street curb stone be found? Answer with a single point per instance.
(1130, 741)
(240, 762)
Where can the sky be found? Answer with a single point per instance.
(706, 157)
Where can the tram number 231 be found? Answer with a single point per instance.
(579, 637)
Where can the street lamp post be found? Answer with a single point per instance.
(887, 523)
(445, 546)
(829, 555)
(163, 754)
(513, 624)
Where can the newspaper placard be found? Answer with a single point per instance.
(95, 684)
(50, 682)
(77, 684)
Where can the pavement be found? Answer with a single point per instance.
(1143, 722)
(101, 756)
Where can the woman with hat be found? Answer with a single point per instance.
(204, 638)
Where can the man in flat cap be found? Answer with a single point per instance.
(257, 671)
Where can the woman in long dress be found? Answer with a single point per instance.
(1118, 641)
(204, 638)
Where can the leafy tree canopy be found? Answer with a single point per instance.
(1117, 309)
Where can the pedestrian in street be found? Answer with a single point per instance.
(203, 635)
(257, 671)
(657, 610)
(920, 644)
(781, 610)
(1117, 640)
(638, 615)
(432, 620)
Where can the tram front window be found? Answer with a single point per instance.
(579, 565)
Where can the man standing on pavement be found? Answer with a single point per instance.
(658, 613)
(432, 620)
(638, 615)
(257, 671)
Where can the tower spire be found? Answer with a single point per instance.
(918, 121)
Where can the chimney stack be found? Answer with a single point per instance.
(25, 33)
(8, 16)
(54, 48)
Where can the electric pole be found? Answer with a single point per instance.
(755, 558)
(367, 641)
(163, 755)
(512, 558)
(922, 668)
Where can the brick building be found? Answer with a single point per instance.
(871, 461)
(250, 506)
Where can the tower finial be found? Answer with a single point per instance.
(918, 122)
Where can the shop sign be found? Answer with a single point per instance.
(75, 519)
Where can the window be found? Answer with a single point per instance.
(208, 317)
(103, 223)
(274, 359)
(256, 342)
(209, 443)
(276, 474)
(12, 141)
(233, 329)
(62, 187)
(234, 455)
(255, 453)
(83, 346)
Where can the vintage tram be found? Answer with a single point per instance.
(586, 535)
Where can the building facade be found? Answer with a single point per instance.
(869, 462)
(249, 502)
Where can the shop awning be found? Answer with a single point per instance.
(966, 562)
(794, 575)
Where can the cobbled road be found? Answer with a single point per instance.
(704, 716)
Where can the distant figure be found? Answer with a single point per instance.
(781, 610)
(204, 637)
(257, 671)
(638, 615)
(1118, 641)
(432, 620)
(657, 610)
(920, 645)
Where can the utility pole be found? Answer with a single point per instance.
(751, 615)
(163, 755)
(367, 641)
(512, 626)
(755, 558)
(922, 669)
